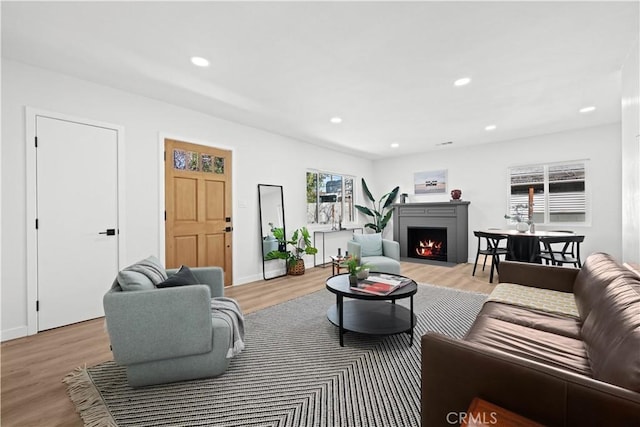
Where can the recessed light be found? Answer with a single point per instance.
(200, 62)
(490, 127)
(462, 82)
(395, 145)
(587, 109)
(336, 120)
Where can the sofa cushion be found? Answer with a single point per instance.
(370, 244)
(533, 344)
(184, 276)
(611, 332)
(142, 275)
(382, 264)
(535, 319)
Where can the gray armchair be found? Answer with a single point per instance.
(168, 335)
(383, 255)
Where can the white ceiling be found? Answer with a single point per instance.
(386, 68)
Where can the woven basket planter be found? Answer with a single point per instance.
(297, 269)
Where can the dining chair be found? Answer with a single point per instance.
(560, 249)
(491, 248)
(564, 256)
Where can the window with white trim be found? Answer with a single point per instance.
(329, 198)
(554, 193)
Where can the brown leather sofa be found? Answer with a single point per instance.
(553, 369)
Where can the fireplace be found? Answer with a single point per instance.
(427, 243)
(432, 233)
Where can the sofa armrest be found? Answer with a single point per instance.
(538, 276)
(456, 371)
(391, 249)
(213, 277)
(158, 324)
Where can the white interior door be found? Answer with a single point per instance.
(77, 207)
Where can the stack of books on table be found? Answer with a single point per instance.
(380, 284)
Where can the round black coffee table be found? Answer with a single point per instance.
(371, 314)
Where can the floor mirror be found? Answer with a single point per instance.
(271, 207)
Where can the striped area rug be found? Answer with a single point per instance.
(292, 372)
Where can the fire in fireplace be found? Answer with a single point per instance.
(427, 243)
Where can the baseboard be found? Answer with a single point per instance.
(11, 334)
(247, 279)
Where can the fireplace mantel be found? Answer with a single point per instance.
(450, 215)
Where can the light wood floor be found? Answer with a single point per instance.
(33, 367)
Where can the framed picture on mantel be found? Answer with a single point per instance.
(431, 182)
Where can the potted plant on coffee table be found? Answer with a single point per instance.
(301, 245)
(356, 270)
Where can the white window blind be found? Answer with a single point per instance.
(557, 192)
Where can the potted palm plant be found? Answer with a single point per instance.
(382, 210)
(301, 245)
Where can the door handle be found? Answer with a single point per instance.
(109, 232)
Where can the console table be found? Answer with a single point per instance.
(324, 233)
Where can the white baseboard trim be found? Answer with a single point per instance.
(247, 279)
(11, 334)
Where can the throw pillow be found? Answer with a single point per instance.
(143, 275)
(183, 277)
(370, 244)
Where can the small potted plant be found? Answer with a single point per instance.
(356, 271)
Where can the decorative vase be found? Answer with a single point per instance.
(362, 274)
(353, 280)
(522, 227)
(456, 194)
(297, 269)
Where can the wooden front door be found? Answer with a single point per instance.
(198, 207)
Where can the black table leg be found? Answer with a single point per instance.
(340, 306)
(411, 333)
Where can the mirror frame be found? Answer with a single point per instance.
(264, 232)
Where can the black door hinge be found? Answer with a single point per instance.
(228, 229)
(36, 138)
(36, 223)
(228, 219)
(165, 156)
(165, 215)
(37, 305)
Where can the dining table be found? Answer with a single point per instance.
(524, 246)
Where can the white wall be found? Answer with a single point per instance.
(262, 157)
(631, 156)
(481, 174)
(258, 157)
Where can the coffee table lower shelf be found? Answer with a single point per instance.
(373, 318)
